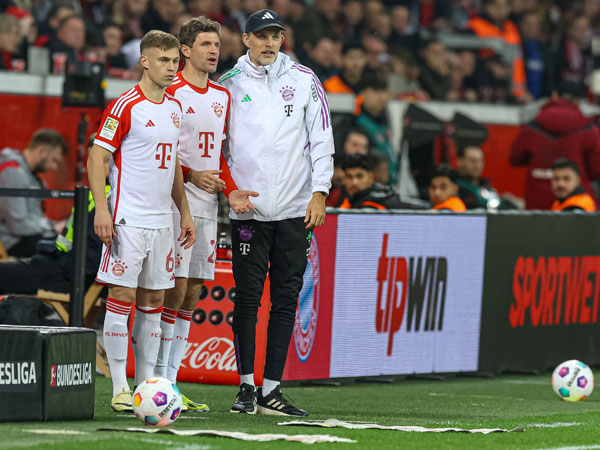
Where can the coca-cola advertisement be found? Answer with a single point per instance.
(210, 354)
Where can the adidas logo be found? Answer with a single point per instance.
(268, 15)
(190, 110)
(150, 124)
(246, 99)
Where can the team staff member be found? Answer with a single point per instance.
(140, 130)
(443, 190)
(566, 186)
(205, 105)
(281, 145)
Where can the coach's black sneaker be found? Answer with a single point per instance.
(245, 402)
(275, 404)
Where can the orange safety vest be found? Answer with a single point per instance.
(335, 85)
(510, 34)
(583, 201)
(453, 204)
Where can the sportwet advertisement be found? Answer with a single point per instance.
(407, 294)
(541, 291)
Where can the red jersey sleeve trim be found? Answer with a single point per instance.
(230, 185)
(185, 171)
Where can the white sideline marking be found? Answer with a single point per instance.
(50, 431)
(175, 444)
(576, 447)
(537, 382)
(554, 425)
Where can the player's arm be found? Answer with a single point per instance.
(188, 230)
(239, 199)
(207, 180)
(321, 148)
(103, 223)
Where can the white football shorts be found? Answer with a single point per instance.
(139, 257)
(198, 261)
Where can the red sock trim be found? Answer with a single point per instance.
(169, 315)
(118, 307)
(149, 311)
(185, 314)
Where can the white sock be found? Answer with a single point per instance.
(167, 327)
(116, 341)
(248, 379)
(268, 386)
(180, 338)
(146, 333)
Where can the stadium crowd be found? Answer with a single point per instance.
(377, 50)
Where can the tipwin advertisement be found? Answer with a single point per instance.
(407, 294)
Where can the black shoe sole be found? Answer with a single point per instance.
(236, 411)
(273, 412)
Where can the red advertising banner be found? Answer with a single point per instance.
(210, 353)
(310, 348)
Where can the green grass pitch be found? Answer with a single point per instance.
(503, 402)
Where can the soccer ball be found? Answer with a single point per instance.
(573, 381)
(157, 402)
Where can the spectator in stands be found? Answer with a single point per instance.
(566, 187)
(347, 81)
(337, 192)
(361, 190)
(443, 190)
(9, 40)
(401, 35)
(51, 267)
(161, 15)
(96, 13)
(473, 190)
(353, 19)
(357, 141)
(132, 12)
(435, 76)
(47, 30)
(559, 130)
(575, 60)
(494, 23)
(69, 44)
(373, 119)
(231, 49)
(539, 68)
(113, 38)
(22, 222)
(375, 52)
(462, 73)
(323, 56)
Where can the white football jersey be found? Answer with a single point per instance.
(142, 136)
(202, 133)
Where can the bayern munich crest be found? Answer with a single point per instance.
(118, 268)
(305, 326)
(218, 109)
(175, 118)
(287, 93)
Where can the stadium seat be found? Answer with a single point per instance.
(91, 299)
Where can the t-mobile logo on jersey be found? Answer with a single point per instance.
(244, 248)
(206, 139)
(288, 109)
(163, 154)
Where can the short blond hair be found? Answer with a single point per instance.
(196, 25)
(159, 39)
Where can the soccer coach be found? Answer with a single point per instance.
(280, 144)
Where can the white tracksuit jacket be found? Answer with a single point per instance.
(279, 137)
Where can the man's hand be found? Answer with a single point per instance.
(103, 226)
(188, 231)
(315, 212)
(207, 180)
(240, 201)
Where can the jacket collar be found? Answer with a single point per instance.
(272, 71)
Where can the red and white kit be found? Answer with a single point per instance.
(205, 113)
(143, 136)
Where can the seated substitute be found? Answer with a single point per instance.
(22, 221)
(361, 190)
(566, 186)
(443, 190)
(51, 268)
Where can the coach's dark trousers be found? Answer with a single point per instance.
(281, 248)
